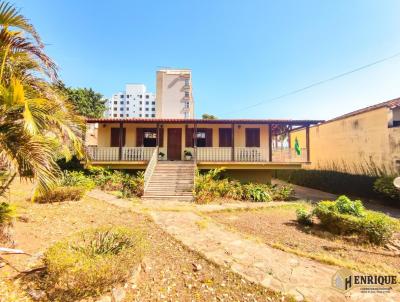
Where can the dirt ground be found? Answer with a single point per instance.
(173, 273)
(278, 228)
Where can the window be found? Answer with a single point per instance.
(186, 115)
(153, 103)
(115, 108)
(121, 115)
(147, 109)
(147, 102)
(121, 96)
(186, 104)
(140, 102)
(121, 102)
(140, 96)
(186, 82)
(153, 109)
(115, 115)
(153, 115)
(187, 94)
(115, 102)
(127, 102)
(122, 109)
(253, 137)
(140, 115)
(147, 96)
(127, 96)
(147, 115)
(225, 137)
(127, 114)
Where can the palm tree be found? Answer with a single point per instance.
(37, 123)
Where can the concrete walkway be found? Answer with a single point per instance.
(254, 261)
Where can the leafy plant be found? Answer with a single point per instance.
(161, 154)
(385, 187)
(77, 179)
(6, 212)
(256, 192)
(187, 153)
(304, 217)
(91, 262)
(344, 216)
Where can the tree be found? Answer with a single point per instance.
(206, 116)
(87, 102)
(37, 123)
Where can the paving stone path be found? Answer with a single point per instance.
(257, 262)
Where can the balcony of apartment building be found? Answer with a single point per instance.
(235, 144)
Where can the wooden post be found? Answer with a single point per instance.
(158, 135)
(121, 135)
(270, 142)
(308, 142)
(233, 143)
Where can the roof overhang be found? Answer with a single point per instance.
(204, 121)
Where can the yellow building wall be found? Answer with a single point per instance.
(357, 144)
(104, 134)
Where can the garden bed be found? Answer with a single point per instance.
(170, 271)
(277, 226)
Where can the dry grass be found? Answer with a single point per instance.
(278, 228)
(168, 270)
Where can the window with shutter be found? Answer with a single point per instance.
(225, 137)
(253, 137)
(115, 137)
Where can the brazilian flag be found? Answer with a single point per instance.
(297, 146)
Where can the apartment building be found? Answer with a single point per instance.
(174, 94)
(135, 101)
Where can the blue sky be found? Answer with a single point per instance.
(240, 52)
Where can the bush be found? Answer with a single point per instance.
(385, 187)
(91, 262)
(133, 186)
(344, 216)
(210, 186)
(344, 205)
(257, 192)
(62, 194)
(6, 213)
(77, 179)
(304, 217)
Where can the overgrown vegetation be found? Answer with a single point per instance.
(346, 217)
(60, 194)
(331, 181)
(211, 185)
(384, 186)
(91, 262)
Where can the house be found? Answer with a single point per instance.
(365, 141)
(243, 146)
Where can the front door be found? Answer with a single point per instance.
(174, 147)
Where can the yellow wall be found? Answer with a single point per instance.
(104, 134)
(355, 144)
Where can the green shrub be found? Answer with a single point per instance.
(344, 205)
(77, 179)
(304, 217)
(257, 192)
(7, 212)
(133, 186)
(385, 187)
(378, 227)
(62, 194)
(344, 216)
(282, 192)
(91, 262)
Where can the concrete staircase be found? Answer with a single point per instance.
(171, 181)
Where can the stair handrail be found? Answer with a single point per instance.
(150, 168)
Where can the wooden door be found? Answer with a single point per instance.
(174, 145)
(115, 137)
